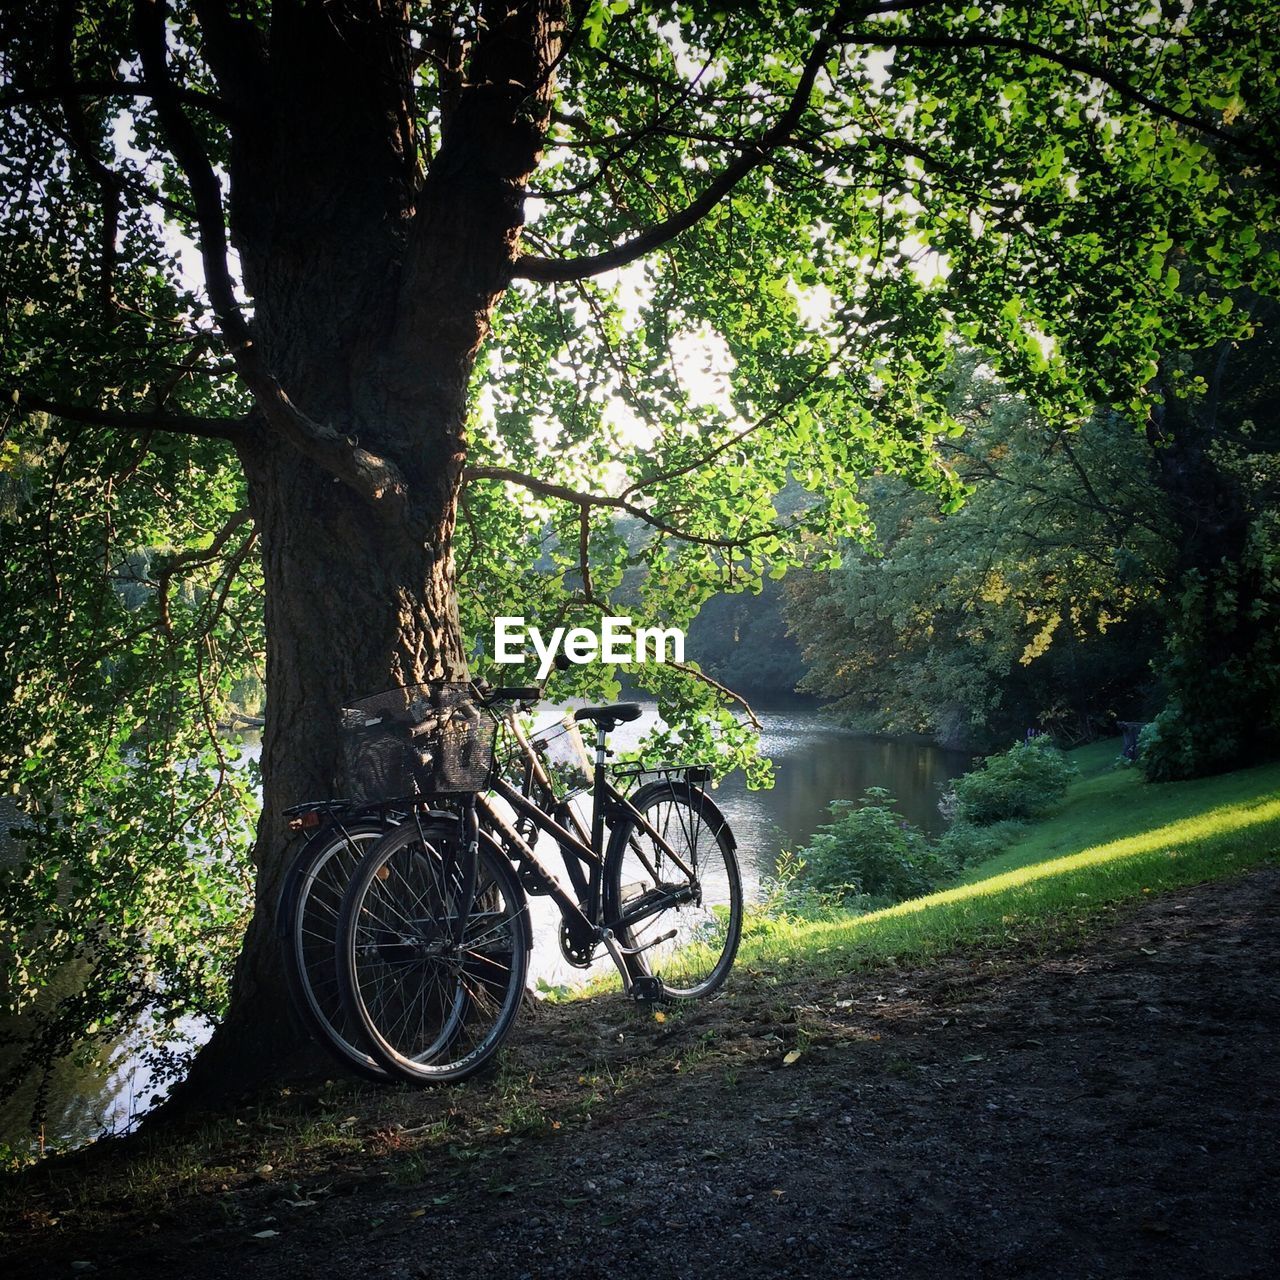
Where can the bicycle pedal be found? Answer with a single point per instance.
(646, 989)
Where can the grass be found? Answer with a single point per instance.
(1115, 838)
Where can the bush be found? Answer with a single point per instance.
(1023, 782)
(1221, 666)
(1167, 748)
(963, 843)
(870, 854)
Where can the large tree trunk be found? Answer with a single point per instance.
(372, 293)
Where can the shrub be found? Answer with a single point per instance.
(1167, 747)
(963, 843)
(871, 854)
(1023, 782)
(786, 897)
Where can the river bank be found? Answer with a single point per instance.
(815, 762)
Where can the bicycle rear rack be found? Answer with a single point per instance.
(685, 772)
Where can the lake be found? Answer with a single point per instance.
(815, 762)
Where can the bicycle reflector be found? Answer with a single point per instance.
(304, 821)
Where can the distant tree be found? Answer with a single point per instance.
(1036, 604)
(1215, 459)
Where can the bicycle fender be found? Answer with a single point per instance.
(696, 796)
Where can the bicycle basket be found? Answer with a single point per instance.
(426, 739)
(565, 757)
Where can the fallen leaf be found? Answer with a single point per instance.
(265, 1235)
(793, 1056)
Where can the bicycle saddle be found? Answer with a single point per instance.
(614, 714)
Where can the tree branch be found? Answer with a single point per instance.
(181, 423)
(98, 87)
(171, 565)
(582, 499)
(374, 477)
(721, 688)
(752, 156)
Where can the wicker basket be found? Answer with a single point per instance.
(423, 739)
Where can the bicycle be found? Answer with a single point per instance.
(433, 936)
(337, 835)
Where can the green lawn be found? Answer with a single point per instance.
(1114, 838)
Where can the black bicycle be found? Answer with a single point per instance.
(336, 835)
(433, 932)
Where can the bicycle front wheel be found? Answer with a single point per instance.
(432, 974)
(672, 889)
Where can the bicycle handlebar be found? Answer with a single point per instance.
(508, 693)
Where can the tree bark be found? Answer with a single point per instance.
(372, 290)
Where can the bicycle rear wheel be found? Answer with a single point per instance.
(308, 926)
(434, 982)
(684, 911)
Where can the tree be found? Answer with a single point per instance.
(1038, 603)
(818, 198)
(1214, 438)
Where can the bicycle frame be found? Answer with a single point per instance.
(582, 851)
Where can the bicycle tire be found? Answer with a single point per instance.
(310, 908)
(432, 1008)
(708, 928)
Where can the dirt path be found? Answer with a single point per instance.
(1110, 1110)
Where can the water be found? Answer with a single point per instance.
(815, 762)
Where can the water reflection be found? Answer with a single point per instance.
(816, 762)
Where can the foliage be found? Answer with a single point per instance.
(1035, 604)
(742, 640)
(1025, 781)
(1219, 459)
(131, 817)
(1222, 707)
(870, 854)
(964, 844)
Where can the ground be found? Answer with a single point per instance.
(1107, 1107)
